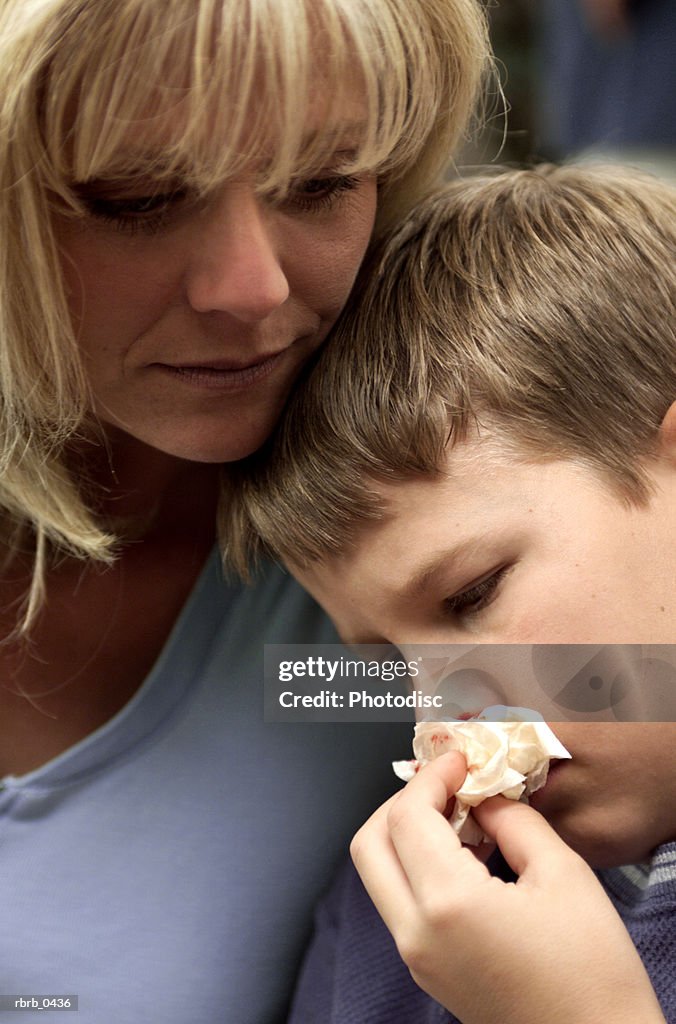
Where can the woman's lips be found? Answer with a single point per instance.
(222, 375)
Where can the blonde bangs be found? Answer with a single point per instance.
(194, 92)
(201, 91)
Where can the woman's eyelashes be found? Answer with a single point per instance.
(479, 595)
(321, 193)
(150, 212)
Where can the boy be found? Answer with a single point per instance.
(493, 460)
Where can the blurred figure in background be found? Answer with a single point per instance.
(607, 81)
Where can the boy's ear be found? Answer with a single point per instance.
(668, 434)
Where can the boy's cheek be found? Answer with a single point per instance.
(605, 837)
(616, 800)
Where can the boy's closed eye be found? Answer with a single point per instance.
(478, 595)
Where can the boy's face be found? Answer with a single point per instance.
(615, 800)
(499, 550)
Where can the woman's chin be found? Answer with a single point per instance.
(212, 444)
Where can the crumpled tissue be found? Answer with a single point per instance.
(508, 751)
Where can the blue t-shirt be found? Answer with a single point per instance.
(166, 867)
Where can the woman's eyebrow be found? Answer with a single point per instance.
(155, 169)
(345, 134)
(135, 160)
(156, 177)
(138, 162)
(100, 187)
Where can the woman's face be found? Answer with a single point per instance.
(195, 317)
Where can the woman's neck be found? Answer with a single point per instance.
(103, 627)
(141, 493)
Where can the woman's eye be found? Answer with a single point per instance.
(322, 192)
(476, 597)
(134, 213)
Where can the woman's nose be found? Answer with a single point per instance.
(235, 267)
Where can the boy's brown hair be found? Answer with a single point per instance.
(537, 304)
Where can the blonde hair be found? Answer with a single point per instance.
(538, 304)
(236, 79)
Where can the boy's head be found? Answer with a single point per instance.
(486, 450)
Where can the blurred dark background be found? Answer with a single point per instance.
(594, 79)
(513, 32)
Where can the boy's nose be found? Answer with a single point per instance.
(236, 267)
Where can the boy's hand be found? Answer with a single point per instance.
(549, 947)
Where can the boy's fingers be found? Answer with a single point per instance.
(380, 870)
(527, 841)
(426, 845)
(400, 846)
(437, 782)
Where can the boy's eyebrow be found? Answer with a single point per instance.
(420, 582)
(415, 587)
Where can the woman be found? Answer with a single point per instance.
(187, 190)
